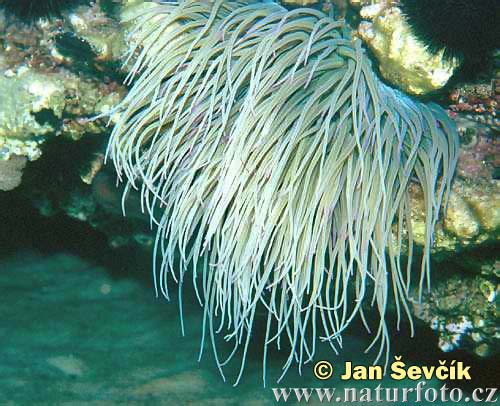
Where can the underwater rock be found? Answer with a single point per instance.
(93, 198)
(403, 60)
(472, 218)
(480, 152)
(11, 171)
(24, 94)
(68, 365)
(476, 106)
(464, 311)
(103, 33)
(50, 89)
(187, 381)
(37, 106)
(473, 215)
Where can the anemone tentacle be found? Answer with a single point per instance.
(280, 165)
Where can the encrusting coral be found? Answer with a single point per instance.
(276, 166)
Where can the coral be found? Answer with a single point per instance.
(56, 75)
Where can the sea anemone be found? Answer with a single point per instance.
(275, 166)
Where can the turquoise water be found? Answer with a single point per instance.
(74, 332)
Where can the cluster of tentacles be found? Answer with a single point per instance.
(276, 166)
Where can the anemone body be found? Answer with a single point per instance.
(280, 165)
